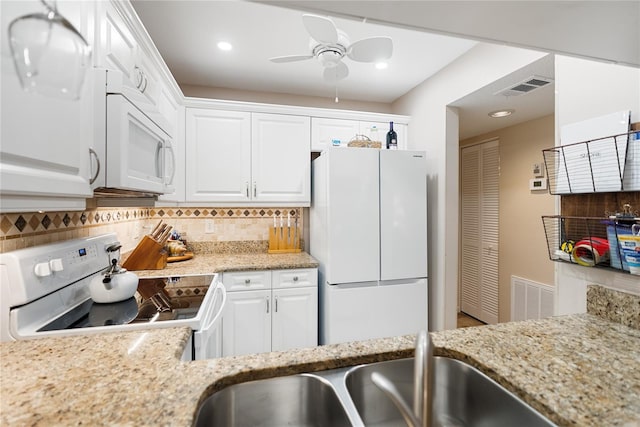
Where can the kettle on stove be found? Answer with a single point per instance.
(115, 283)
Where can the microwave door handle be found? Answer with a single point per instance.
(159, 163)
(173, 163)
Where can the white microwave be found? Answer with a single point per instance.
(135, 154)
(139, 152)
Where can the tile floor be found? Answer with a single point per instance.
(465, 321)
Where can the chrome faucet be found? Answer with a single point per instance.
(422, 414)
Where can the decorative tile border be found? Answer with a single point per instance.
(14, 225)
(186, 212)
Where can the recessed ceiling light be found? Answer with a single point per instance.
(224, 46)
(381, 65)
(501, 113)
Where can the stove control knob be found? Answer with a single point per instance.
(42, 269)
(56, 264)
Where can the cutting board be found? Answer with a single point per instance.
(184, 257)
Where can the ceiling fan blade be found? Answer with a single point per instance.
(371, 49)
(333, 74)
(320, 28)
(290, 58)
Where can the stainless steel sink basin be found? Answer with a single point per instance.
(298, 400)
(347, 397)
(464, 396)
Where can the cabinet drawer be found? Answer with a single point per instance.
(246, 280)
(295, 278)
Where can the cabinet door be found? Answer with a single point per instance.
(246, 324)
(281, 163)
(116, 48)
(44, 154)
(324, 131)
(218, 155)
(295, 318)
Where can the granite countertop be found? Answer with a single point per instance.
(578, 370)
(207, 263)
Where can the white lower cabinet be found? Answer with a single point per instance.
(270, 311)
(246, 323)
(294, 323)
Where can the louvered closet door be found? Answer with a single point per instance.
(479, 231)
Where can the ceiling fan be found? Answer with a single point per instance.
(330, 45)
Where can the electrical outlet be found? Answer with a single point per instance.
(136, 232)
(209, 226)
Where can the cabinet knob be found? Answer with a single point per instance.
(295, 278)
(247, 281)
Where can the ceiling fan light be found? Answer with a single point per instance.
(501, 113)
(329, 58)
(382, 65)
(225, 46)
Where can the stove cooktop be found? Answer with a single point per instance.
(155, 301)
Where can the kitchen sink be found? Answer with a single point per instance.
(347, 397)
(463, 395)
(297, 400)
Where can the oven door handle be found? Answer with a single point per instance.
(219, 287)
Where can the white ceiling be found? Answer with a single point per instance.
(186, 33)
(473, 109)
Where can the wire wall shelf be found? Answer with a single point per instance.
(600, 165)
(594, 242)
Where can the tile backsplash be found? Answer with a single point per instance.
(21, 230)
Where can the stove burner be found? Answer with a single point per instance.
(118, 313)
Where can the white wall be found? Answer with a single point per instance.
(586, 89)
(434, 129)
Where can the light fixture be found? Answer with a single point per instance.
(501, 113)
(381, 65)
(226, 46)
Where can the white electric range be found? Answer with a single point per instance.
(44, 292)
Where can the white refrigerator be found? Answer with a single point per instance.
(368, 230)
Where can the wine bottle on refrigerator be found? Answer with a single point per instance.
(392, 138)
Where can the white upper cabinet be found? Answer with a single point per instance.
(324, 131)
(236, 157)
(130, 67)
(116, 48)
(43, 162)
(218, 155)
(280, 159)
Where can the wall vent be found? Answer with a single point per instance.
(531, 300)
(526, 86)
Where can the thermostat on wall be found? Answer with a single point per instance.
(537, 184)
(538, 170)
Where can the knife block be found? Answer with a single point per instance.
(148, 255)
(284, 240)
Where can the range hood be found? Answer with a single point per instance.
(116, 197)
